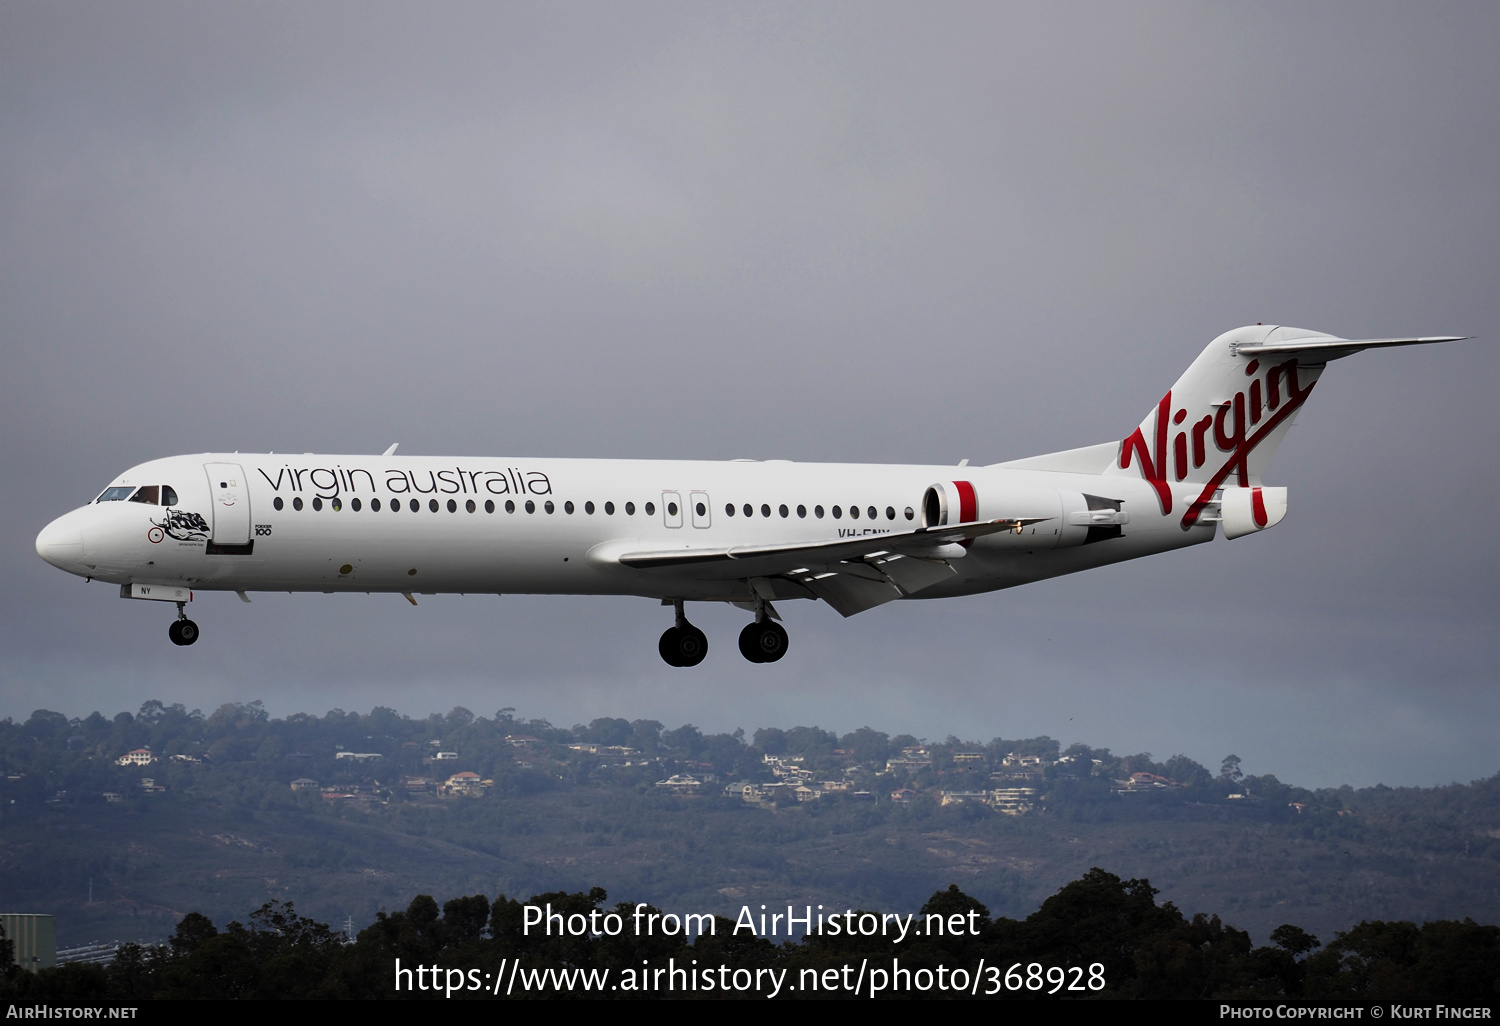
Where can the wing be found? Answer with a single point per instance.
(850, 574)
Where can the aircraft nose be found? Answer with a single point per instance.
(61, 544)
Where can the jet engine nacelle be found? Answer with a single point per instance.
(1087, 519)
(1247, 510)
(1060, 518)
(950, 502)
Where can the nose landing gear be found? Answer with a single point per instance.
(682, 644)
(183, 631)
(765, 640)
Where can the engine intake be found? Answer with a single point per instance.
(948, 503)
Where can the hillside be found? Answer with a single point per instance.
(220, 830)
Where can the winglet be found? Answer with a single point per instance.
(391, 450)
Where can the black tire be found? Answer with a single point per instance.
(750, 643)
(183, 632)
(770, 641)
(692, 646)
(670, 647)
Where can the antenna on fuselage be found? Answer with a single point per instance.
(391, 449)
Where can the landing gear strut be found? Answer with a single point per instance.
(183, 631)
(682, 644)
(765, 640)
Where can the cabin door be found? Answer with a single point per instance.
(230, 504)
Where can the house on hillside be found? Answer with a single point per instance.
(465, 785)
(680, 783)
(1144, 782)
(1013, 801)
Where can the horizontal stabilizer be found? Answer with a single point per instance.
(1322, 348)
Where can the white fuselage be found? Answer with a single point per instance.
(746, 532)
(555, 526)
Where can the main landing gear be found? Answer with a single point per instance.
(183, 631)
(682, 644)
(764, 640)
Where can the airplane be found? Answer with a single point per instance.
(750, 533)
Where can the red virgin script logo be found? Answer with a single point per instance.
(1264, 407)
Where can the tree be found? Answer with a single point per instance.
(8, 967)
(1230, 770)
(1294, 939)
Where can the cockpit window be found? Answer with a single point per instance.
(168, 496)
(147, 493)
(116, 494)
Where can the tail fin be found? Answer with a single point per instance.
(1220, 424)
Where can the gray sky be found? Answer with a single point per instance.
(820, 232)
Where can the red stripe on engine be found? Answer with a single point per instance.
(968, 508)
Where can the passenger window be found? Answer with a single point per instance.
(489, 505)
(588, 507)
(910, 513)
(469, 505)
(568, 507)
(650, 508)
(548, 506)
(337, 504)
(700, 509)
(783, 510)
(168, 496)
(609, 509)
(432, 504)
(375, 505)
(837, 512)
(630, 509)
(729, 509)
(853, 512)
(277, 503)
(297, 504)
(510, 506)
(749, 510)
(530, 506)
(317, 503)
(818, 512)
(890, 513)
(671, 509)
(765, 510)
(452, 506)
(872, 513)
(147, 494)
(415, 506)
(802, 511)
